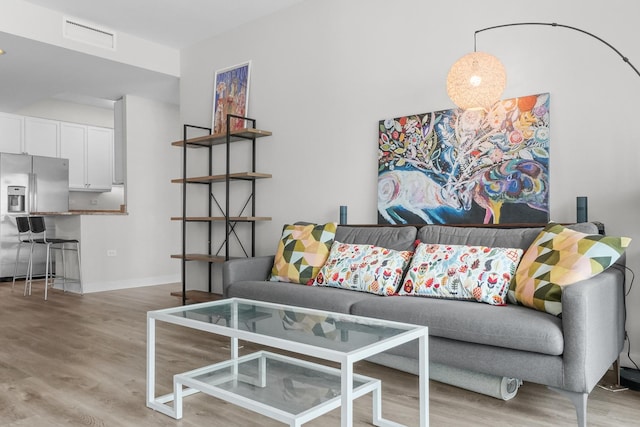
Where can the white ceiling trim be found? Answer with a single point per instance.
(42, 63)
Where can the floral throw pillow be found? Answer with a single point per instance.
(559, 257)
(475, 273)
(365, 268)
(302, 250)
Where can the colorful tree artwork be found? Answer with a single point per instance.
(466, 166)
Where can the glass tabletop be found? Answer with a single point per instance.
(324, 329)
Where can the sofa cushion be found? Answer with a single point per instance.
(490, 236)
(474, 273)
(397, 238)
(560, 257)
(365, 268)
(321, 298)
(509, 326)
(302, 250)
(479, 236)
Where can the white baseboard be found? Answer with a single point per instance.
(131, 283)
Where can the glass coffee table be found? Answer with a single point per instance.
(285, 388)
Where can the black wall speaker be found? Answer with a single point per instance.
(343, 215)
(581, 209)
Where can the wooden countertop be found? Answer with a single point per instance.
(82, 212)
(98, 212)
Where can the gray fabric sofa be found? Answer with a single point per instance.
(569, 354)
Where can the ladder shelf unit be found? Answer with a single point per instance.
(247, 213)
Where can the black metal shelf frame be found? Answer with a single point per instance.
(229, 224)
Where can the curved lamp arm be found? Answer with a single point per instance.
(553, 24)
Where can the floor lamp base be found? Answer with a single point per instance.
(630, 378)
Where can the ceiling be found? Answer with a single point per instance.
(33, 71)
(175, 23)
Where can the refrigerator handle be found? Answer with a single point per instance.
(33, 194)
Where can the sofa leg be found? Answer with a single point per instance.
(579, 401)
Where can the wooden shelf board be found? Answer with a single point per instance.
(221, 138)
(221, 218)
(200, 257)
(198, 296)
(248, 176)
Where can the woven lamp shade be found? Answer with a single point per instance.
(476, 80)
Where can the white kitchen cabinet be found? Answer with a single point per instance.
(99, 158)
(88, 148)
(90, 153)
(73, 141)
(11, 133)
(41, 137)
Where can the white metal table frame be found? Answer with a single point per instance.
(189, 379)
(346, 360)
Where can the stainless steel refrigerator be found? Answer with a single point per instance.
(28, 185)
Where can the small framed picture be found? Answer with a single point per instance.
(231, 96)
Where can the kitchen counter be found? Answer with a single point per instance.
(81, 212)
(97, 212)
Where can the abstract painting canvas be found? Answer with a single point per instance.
(231, 97)
(466, 166)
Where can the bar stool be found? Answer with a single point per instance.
(38, 228)
(24, 238)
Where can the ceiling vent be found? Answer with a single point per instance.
(89, 33)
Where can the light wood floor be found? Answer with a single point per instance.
(80, 361)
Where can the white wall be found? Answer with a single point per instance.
(90, 200)
(324, 73)
(65, 111)
(145, 238)
(38, 23)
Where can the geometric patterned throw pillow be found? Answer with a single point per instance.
(365, 268)
(472, 273)
(559, 257)
(310, 324)
(302, 251)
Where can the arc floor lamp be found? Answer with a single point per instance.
(478, 79)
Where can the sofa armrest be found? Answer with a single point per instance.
(593, 321)
(254, 268)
